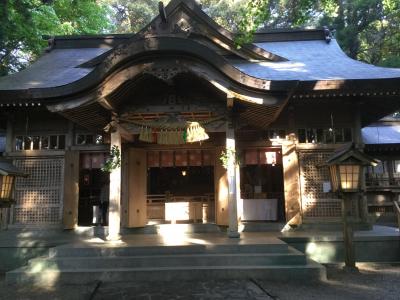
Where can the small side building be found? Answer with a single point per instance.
(382, 140)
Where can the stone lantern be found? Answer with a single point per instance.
(346, 171)
(8, 173)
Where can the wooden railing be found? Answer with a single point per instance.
(156, 205)
(382, 180)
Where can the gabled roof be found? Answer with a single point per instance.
(350, 154)
(279, 58)
(8, 169)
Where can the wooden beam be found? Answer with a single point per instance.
(125, 133)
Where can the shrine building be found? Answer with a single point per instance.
(199, 129)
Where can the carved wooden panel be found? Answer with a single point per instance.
(39, 196)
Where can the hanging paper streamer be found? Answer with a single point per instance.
(146, 135)
(170, 137)
(196, 133)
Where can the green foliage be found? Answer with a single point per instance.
(24, 22)
(253, 16)
(227, 156)
(367, 30)
(131, 16)
(114, 161)
(226, 13)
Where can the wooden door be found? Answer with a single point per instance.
(221, 189)
(137, 188)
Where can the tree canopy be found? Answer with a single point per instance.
(24, 22)
(367, 30)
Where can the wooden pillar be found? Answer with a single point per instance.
(137, 188)
(239, 199)
(221, 189)
(357, 138)
(232, 183)
(291, 175)
(71, 189)
(362, 201)
(348, 235)
(5, 212)
(9, 136)
(4, 217)
(125, 188)
(69, 138)
(114, 209)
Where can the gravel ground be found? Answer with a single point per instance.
(374, 281)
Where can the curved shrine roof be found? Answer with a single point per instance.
(312, 61)
(55, 68)
(277, 57)
(307, 61)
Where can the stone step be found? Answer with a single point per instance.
(182, 228)
(90, 251)
(309, 272)
(253, 259)
(152, 258)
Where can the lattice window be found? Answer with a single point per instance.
(323, 208)
(39, 196)
(37, 215)
(315, 202)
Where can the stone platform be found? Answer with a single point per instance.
(170, 256)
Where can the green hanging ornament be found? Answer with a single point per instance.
(184, 136)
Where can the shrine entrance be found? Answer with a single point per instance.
(175, 186)
(180, 186)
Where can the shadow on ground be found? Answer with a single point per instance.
(374, 281)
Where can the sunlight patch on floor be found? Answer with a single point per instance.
(320, 252)
(174, 234)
